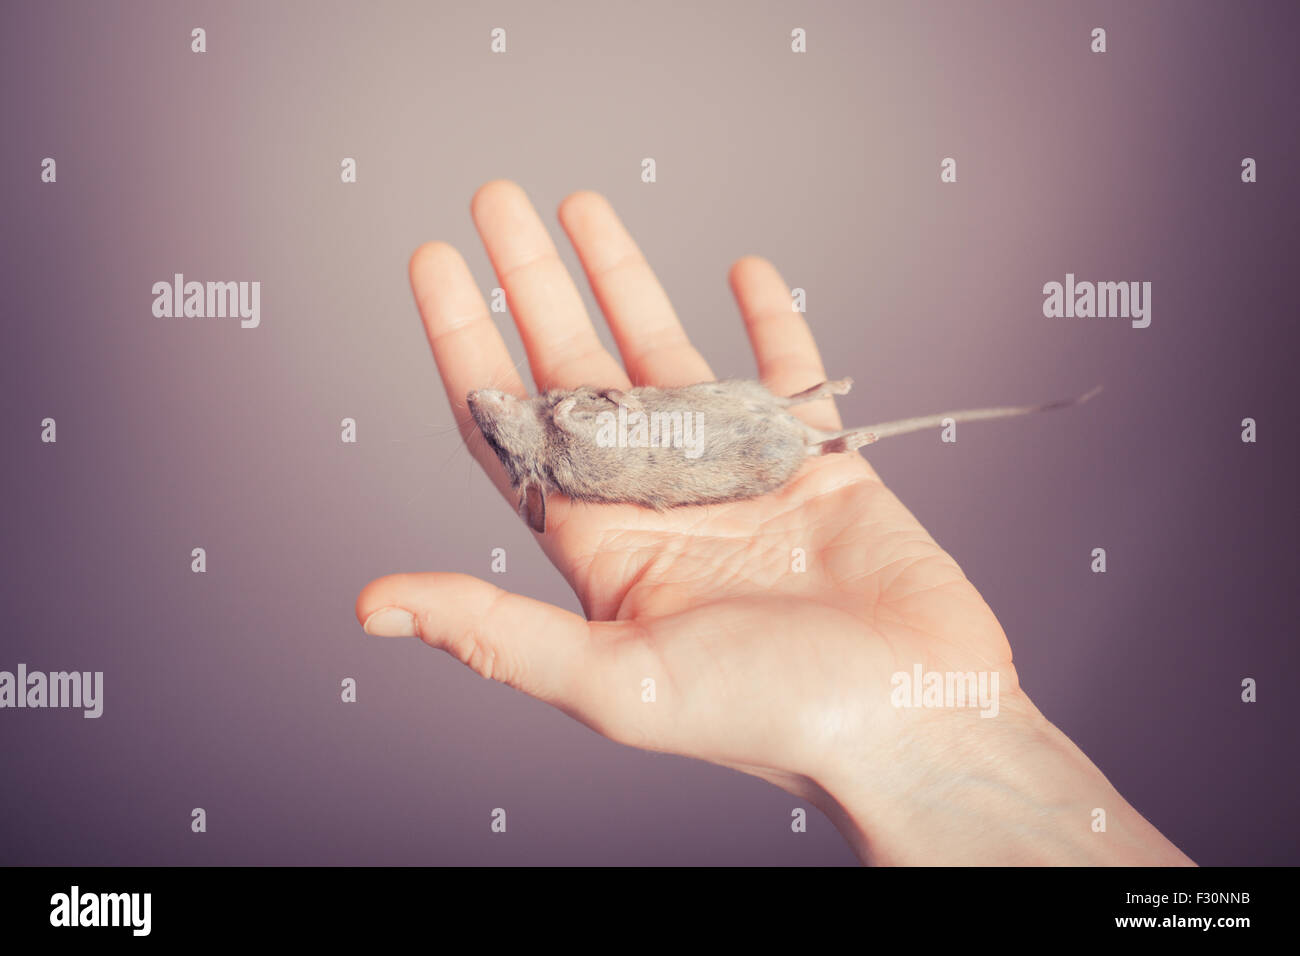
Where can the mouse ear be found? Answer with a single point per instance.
(532, 506)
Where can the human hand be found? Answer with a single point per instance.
(757, 666)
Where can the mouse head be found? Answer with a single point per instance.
(513, 429)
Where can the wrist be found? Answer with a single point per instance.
(952, 788)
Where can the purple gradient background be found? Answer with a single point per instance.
(222, 690)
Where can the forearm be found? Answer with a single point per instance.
(965, 792)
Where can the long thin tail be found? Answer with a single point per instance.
(905, 425)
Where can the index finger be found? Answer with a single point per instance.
(466, 344)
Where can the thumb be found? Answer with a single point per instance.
(532, 646)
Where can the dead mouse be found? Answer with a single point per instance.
(664, 447)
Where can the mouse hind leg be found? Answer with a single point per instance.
(833, 443)
(824, 390)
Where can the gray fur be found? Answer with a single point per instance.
(749, 444)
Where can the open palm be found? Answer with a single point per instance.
(758, 634)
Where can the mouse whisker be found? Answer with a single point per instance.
(433, 434)
(500, 377)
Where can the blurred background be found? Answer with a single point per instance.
(222, 690)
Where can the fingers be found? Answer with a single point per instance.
(534, 647)
(788, 360)
(561, 342)
(650, 338)
(466, 344)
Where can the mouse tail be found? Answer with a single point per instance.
(906, 425)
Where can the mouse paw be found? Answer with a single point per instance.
(560, 414)
(840, 386)
(843, 442)
(620, 397)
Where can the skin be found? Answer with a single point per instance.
(778, 674)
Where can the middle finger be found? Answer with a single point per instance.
(562, 346)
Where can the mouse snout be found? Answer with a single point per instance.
(491, 400)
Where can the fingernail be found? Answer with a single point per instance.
(390, 622)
